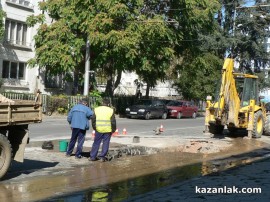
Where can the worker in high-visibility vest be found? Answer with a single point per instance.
(104, 123)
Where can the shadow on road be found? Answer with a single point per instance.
(27, 167)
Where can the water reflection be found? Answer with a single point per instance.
(121, 191)
(124, 178)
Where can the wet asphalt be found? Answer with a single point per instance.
(162, 175)
(156, 168)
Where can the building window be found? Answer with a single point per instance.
(16, 32)
(13, 70)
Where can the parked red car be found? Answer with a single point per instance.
(180, 108)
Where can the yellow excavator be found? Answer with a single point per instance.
(237, 105)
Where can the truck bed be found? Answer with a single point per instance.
(20, 112)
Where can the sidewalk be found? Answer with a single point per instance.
(255, 175)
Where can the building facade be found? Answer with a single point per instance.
(17, 47)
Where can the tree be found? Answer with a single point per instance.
(59, 45)
(115, 30)
(155, 52)
(198, 59)
(198, 79)
(2, 28)
(246, 28)
(251, 32)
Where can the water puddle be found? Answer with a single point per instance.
(129, 174)
(124, 190)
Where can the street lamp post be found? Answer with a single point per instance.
(87, 69)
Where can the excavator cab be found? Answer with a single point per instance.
(236, 104)
(250, 91)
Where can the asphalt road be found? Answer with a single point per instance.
(58, 128)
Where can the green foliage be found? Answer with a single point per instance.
(95, 93)
(1, 82)
(140, 36)
(98, 98)
(59, 104)
(198, 78)
(2, 28)
(263, 82)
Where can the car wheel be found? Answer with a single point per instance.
(194, 115)
(164, 115)
(147, 116)
(179, 115)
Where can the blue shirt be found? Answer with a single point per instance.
(78, 116)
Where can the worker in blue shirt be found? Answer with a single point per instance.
(78, 118)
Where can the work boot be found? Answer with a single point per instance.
(104, 159)
(78, 157)
(95, 159)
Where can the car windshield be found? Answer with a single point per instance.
(143, 102)
(175, 103)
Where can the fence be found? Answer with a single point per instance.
(52, 103)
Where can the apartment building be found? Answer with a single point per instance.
(18, 47)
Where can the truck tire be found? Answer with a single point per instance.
(215, 129)
(5, 155)
(258, 125)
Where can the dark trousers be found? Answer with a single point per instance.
(105, 138)
(77, 134)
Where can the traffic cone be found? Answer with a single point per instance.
(115, 133)
(124, 131)
(161, 129)
(93, 134)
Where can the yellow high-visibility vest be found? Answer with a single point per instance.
(103, 119)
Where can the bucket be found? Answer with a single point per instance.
(63, 144)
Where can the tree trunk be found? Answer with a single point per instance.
(147, 90)
(111, 85)
(76, 82)
(118, 79)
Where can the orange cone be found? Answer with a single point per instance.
(124, 131)
(93, 134)
(115, 133)
(161, 129)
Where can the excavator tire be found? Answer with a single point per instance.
(259, 124)
(267, 126)
(5, 155)
(215, 129)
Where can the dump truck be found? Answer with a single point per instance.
(237, 105)
(15, 116)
